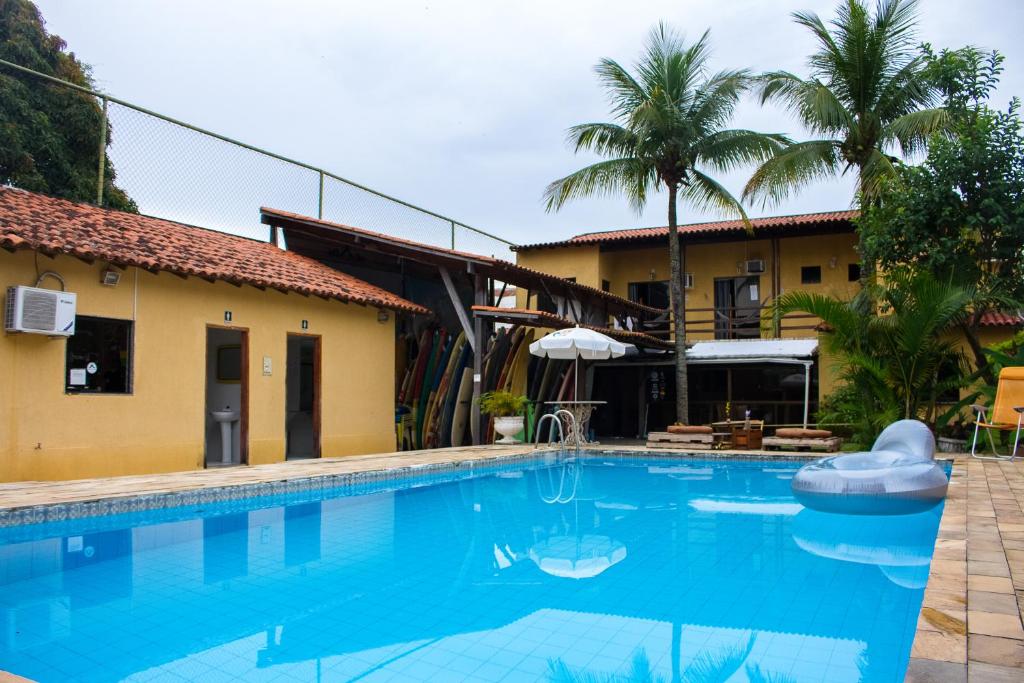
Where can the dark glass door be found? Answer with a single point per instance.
(738, 307)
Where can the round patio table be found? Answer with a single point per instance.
(581, 412)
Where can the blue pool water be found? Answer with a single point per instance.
(685, 570)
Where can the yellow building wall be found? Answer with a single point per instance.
(833, 253)
(582, 263)
(160, 427)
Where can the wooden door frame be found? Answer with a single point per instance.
(243, 424)
(317, 388)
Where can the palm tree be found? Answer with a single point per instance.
(668, 133)
(866, 95)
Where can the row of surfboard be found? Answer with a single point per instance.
(436, 392)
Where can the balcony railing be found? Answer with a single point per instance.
(735, 322)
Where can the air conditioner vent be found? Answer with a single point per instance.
(755, 266)
(40, 311)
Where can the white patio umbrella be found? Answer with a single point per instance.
(574, 343)
(572, 557)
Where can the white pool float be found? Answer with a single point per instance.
(898, 475)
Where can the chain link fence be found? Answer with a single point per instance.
(183, 173)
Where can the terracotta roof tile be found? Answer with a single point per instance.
(795, 221)
(1000, 319)
(34, 221)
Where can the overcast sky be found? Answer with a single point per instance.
(460, 107)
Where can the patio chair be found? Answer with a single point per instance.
(1007, 414)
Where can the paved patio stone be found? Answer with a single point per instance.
(992, 650)
(932, 671)
(1002, 603)
(978, 672)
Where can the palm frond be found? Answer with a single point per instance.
(913, 129)
(815, 105)
(624, 92)
(605, 139)
(632, 177)
(876, 173)
(705, 192)
(726, 150)
(796, 166)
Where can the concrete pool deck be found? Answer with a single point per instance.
(970, 621)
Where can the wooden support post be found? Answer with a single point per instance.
(478, 357)
(776, 286)
(453, 294)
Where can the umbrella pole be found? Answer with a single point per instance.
(576, 385)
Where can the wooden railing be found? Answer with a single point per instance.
(735, 322)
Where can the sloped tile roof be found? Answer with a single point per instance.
(34, 221)
(1000, 319)
(778, 222)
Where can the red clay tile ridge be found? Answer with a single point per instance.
(57, 226)
(794, 221)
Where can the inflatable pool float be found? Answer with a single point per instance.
(897, 476)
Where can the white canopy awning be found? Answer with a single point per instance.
(752, 349)
(727, 351)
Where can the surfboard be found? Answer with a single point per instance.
(427, 384)
(437, 412)
(439, 370)
(451, 401)
(462, 407)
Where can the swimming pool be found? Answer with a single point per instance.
(690, 570)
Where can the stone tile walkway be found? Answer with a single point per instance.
(970, 623)
(30, 493)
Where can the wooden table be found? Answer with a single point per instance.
(732, 434)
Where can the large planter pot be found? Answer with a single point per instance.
(947, 444)
(508, 427)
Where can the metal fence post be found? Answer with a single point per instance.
(102, 166)
(320, 198)
(453, 235)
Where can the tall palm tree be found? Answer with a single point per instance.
(668, 133)
(867, 94)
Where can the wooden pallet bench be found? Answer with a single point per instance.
(829, 445)
(666, 440)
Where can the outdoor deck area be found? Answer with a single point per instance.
(970, 621)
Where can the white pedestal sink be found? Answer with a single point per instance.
(226, 418)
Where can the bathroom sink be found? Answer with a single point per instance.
(224, 415)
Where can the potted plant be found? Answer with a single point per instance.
(507, 410)
(953, 438)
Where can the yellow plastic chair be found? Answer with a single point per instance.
(1007, 413)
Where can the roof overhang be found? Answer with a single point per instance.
(312, 230)
(798, 351)
(532, 318)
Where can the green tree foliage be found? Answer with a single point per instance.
(50, 134)
(867, 95)
(960, 214)
(896, 356)
(669, 132)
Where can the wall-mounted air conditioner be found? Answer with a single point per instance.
(755, 266)
(40, 311)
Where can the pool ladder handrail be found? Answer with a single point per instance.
(556, 416)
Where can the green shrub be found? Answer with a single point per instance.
(502, 404)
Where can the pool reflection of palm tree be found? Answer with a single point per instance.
(708, 667)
